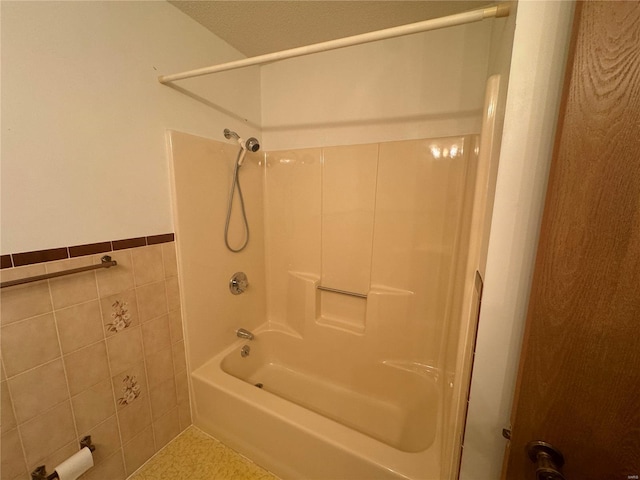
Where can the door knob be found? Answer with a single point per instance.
(548, 460)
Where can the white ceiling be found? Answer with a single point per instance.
(265, 26)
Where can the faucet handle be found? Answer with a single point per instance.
(238, 283)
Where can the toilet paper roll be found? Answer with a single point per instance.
(75, 465)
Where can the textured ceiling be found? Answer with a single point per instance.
(258, 27)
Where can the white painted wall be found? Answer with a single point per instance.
(425, 85)
(84, 118)
(542, 36)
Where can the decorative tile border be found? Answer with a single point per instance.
(41, 256)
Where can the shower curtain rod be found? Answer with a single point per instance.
(471, 16)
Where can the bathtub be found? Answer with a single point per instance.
(301, 411)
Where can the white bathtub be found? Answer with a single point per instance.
(314, 417)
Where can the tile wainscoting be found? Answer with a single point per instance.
(99, 353)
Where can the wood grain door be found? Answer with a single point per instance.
(579, 378)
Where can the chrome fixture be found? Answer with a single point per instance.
(238, 283)
(253, 145)
(244, 351)
(243, 333)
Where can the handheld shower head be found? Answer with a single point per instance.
(252, 144)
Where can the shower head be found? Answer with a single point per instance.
(252, 144)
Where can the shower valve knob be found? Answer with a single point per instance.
(238, 283)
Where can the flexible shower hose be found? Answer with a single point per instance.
(236, 183)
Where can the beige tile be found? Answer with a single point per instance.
(184, 415)
(47, 432)
(115, 279)
(173, 293)
(29, 343)
(79, 326)
(93, 405)
(3, 375)
(72, 289)
(182, 387)
(86, 367)
(13, 463)
(130, 385)
(106, 437)
(163, 398)
(119, 312)
(159, 366)
(348, 202)
(140, 449)
(175, 326)
(110, 469)
(55, 458)
(8, 421)
(179, 359)
(148, 265)
(152, 301)
(24, 301)
(156, 334)
(38, 389)
(134, 418)
(169, 258)
(166, 427)
(125, 349)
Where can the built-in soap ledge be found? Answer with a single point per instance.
(341, 311)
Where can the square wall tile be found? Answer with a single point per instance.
(24, 301)
(159, 366)
(47, 432)
(163, 398)
(179, 357)
(140, 449)
(87, 367)
(169, 259)
(119, 311)
(38, 389)
(112, 468)
(8, 420)
(156, 334)
(13, 464)
(79, 326)
(130, 385)
(184, 415)
(106, 437)
(125, 349)
(152, 301)
(55, 458)
(93, 405)
(115, 279)
(175, 326)
(28, 343)
(72, 289)
(166, 427)
(173, 293)
(134, 418)
(148, 266)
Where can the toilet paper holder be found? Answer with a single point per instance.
(40, 473)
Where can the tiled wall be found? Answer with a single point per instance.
(99, 353)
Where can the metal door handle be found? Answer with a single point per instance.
(548, 460)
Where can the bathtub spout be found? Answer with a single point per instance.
(246, 334)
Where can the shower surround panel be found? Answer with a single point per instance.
(386, 221)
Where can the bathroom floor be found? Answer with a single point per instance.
(194, 455)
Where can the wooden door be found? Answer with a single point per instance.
(579, 379)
